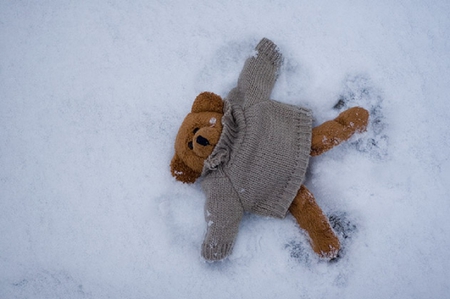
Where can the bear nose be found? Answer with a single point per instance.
(202, 141)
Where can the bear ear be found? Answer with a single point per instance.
(182, 172)
(207, 102)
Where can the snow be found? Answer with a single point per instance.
(92, 94)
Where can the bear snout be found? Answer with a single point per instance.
(202, 140)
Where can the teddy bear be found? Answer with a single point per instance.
(251, 154)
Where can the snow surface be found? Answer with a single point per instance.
(92, 94)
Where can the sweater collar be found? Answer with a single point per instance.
(227, 141)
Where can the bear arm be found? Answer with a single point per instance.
(223, 214)
(259, 74)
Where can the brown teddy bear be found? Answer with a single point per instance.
(252, 154)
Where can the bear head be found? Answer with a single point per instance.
(197, 137)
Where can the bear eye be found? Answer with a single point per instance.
(190, 146)
(195, 130)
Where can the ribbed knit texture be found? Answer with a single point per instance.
(261, 158)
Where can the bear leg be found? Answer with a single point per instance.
(311, 218)
(333, 132)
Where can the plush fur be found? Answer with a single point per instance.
(200, 132)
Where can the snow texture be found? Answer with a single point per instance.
(92, 94)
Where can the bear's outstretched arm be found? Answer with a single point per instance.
(223, 214)
(258, 76)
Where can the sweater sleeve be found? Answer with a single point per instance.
(259, 74)
(223, 214)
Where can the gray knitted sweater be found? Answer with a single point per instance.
(261, 158)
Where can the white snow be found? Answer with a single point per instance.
(92, 94)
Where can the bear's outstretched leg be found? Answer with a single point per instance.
(333, 132)
(311, 218)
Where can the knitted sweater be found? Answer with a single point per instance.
(261, 158)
